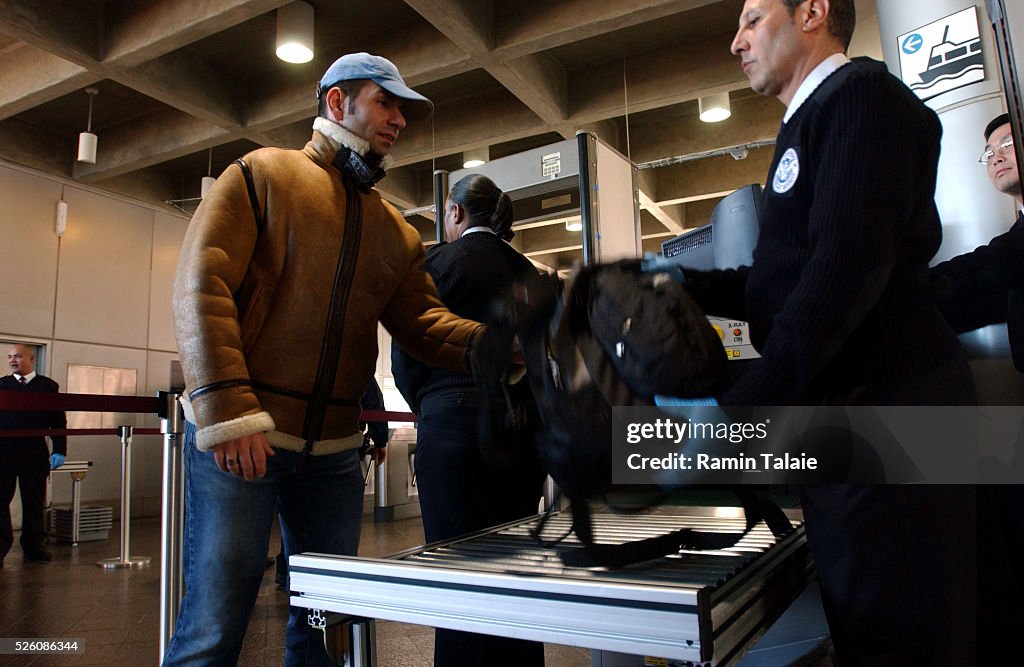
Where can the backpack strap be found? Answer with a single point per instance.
(254, 202)
(765, 509)
(755, 510)
(250, 187)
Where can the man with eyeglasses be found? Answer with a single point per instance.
(1001, 160)
(986, 285)
(978, 288)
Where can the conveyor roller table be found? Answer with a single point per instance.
(696, 607)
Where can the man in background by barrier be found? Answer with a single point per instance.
(25, 460)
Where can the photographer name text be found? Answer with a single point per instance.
(759, 463)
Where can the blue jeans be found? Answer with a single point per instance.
(227, 536)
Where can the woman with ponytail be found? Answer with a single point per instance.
(460, 492)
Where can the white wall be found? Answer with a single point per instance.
(28, 278)
(100, 295)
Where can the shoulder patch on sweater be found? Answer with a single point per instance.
(787, 172)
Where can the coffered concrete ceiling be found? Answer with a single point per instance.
(179, 78)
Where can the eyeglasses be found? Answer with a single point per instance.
(1002, 149)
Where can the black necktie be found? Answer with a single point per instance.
(22, 380)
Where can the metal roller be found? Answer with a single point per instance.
(703, 608)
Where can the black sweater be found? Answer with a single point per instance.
(985, 286)
(838, 295)
(19, 420)
(474, 276)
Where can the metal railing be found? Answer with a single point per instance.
(172, 516)
(167, 406)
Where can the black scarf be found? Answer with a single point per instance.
(355, 167)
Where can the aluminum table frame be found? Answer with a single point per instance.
(698, 607)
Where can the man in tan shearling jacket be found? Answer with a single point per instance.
(288, 265)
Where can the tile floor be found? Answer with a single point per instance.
(117, 612)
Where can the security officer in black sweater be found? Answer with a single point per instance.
(25, 460)
(839, 281)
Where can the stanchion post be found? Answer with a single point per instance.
(172, 423)
(382, 511)
(76, 506)
(125, 560)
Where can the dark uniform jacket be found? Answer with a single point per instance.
(985, 286)
(18, 420)
(474, 276)
(840, 272)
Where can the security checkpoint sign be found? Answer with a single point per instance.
(943, 55)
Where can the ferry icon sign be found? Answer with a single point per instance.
(943, 55)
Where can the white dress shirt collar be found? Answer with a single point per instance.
(28, 378)
(818, 75)
(478, 228)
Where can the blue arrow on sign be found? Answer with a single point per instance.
(912, 44)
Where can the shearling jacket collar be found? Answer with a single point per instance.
(352, 155)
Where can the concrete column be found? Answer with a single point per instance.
(971, 209)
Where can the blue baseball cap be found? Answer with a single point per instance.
(383, 73)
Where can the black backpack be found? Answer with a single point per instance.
(612, 335)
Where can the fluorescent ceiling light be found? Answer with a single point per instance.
(87, 140)
(714, 108)
(475, 157)
(295, 32)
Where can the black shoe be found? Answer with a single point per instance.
(42, 555)
(281, 571)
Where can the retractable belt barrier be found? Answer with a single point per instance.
(29, 432)
(39, 401)
(48, 402)
(166, 406)
(386, 416)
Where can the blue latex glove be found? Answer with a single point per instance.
(664, 401)
(56, 461)
(652, 263)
